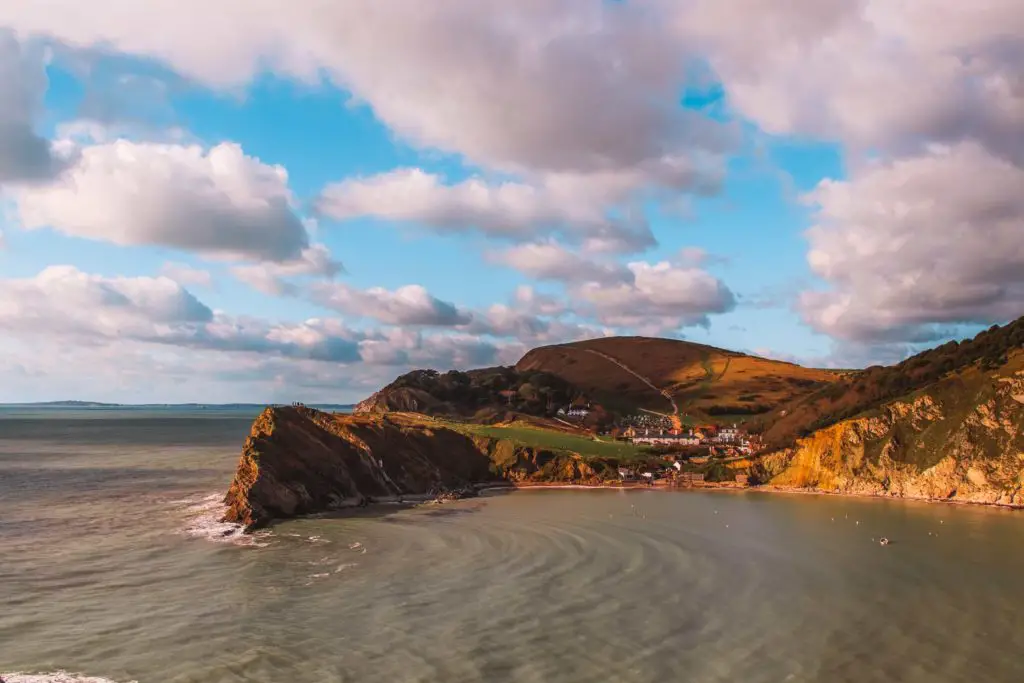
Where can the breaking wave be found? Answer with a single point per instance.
(205, 514)
(54, 677)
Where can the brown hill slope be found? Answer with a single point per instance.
(625, 373)
(872, 388)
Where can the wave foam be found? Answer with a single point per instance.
(205, 520)
(54, 677)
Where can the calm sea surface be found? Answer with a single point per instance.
(112, 566)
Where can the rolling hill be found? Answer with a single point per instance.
(662, 375)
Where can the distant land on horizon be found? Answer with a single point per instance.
(99, 404)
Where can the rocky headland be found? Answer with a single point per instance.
(298, 461)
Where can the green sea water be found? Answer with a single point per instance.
(113, 567)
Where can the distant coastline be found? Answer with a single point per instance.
(185, 406)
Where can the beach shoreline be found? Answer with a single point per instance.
(727, 486)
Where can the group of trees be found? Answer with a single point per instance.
(534, 393)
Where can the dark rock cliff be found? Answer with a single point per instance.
(299, 461)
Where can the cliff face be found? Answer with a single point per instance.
(300, 461)
(960, 439)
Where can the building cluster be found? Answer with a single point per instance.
(671, 471)
(731, 440)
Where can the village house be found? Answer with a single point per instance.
(729, 434)
(578, 409)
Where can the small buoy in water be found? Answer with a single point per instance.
(726, 526)
(941, 522)
(858, 523)
(883, 541)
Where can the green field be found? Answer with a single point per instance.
(559, 441)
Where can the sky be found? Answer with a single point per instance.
(270, 201)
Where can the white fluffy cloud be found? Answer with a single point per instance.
(408, 305)
(662, 297)
(217, 202)
(527, 298)
(932, 239)
(82, 308)
(187, 276)
(657, 297)
(601, 78)
(890, 74)
(551, 261)
(576, 98)
(24, 155)
(277, 278)
(406, 348)
(509, 210)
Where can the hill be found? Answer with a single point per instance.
(664, 375)
(945, 367)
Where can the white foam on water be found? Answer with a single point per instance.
(205, 520)
(343, 567)
(54, 677)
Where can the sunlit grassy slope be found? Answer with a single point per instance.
(705, 382)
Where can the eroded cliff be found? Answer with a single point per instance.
(299, 461)
(960, 439)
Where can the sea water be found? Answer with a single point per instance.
(114, 567)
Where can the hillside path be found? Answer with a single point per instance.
(663, 392)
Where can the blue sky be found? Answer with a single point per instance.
(303, 212)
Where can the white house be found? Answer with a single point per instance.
(729, 434)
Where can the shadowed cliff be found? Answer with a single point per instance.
(299, 461)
